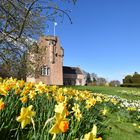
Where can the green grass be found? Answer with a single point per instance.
(112, 91)
(117, 129)
(121, 130)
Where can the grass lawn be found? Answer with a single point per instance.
(122, 130)
(118, 129)
(123, 92)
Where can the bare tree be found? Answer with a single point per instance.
(21, 20)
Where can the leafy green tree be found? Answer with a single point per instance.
(136, 78)
(127, 79)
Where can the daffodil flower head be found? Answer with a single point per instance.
(61, 125)
(26, 116)
(92, 135)
(61, 109)
(104, 111)
(24, 99)
(40, 87)
(90, 102)
(77, 112)
(2, 105)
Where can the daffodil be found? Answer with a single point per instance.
(114, 101)
(61, 125)
(90, 102)
(3, 89)
(17, 90)
(77, 112)
(2, 105)
(32, 94)
(29, 86)
(104, 111)
(60, 98)
(61, 109)
(98, 99)
(24, 99)
(40, 87)
(131, 108)
(26, 116)
(92, 135)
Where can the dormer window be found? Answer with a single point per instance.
(45, 70)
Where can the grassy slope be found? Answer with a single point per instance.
(118, 130)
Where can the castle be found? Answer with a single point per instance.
(50, 69)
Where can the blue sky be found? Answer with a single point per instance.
(104, 37)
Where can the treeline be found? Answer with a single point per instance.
(132, 80)
(93, 80)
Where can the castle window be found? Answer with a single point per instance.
(50, 42)
(45, 70)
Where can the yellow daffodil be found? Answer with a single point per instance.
(40, 87)
(32, 94)
(26, 115)
(21, 83)
(90, 102)
(131, 108)
(28, 86)
(77, 112)
(104, 111)
(60, 98)
(61, 109)
(61, 125)
(98, 99)
(3, 89)
(2, 105)
(114, 101)
(25, 92)
(24, 99)
(17, 90)
(92, 135)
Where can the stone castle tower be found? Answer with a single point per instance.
(50, 68)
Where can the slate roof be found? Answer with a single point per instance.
(71, 70)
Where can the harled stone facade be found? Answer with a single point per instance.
(49, 70)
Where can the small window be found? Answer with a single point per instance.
(45, 70)
(50, 42)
